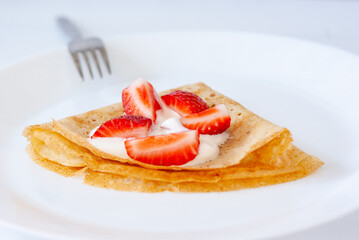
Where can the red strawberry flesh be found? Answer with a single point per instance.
(184, 103)
(164, 150)
(212, 121)
(126, 126)
(140, 98)
(157, 98)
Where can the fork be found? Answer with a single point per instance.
(79, 45)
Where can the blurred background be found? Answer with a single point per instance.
(28, 28)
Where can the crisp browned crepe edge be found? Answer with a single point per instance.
(307, 165)
(60, 145)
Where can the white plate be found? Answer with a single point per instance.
(309, 88)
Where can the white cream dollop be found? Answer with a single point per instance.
(208, 148)
(167, 122)
(111, 145)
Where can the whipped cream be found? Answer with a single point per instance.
(167, 122)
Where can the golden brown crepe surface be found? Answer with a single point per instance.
(60, 147)
(248, 132)
(307, 165)
(54, 166)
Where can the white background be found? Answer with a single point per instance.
(28, 28)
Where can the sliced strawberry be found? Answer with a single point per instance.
(157, 98)
(184, 103)
(212, 121)
(140, 99)
(165, 150)
(126, 126)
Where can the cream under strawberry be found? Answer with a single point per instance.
(184, 130)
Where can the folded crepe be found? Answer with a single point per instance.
(257, 153)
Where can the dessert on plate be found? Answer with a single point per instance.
(188, 139)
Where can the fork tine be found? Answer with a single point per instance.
(76, 59)
(105, 58)
(87, 63)
(96, 61)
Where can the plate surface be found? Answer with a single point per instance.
(309, 88)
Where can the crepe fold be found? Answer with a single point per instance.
(257, 153)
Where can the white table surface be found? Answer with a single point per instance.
(28, 28)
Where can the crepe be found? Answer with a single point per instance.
(54, 166)
(53, 146)
(257, 153)
(307, 164)
(304, 165)
(247, 131)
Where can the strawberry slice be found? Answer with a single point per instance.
(212, 121)
(184, 103)
(157, 98)
(126, 126)
(165, 150)
(140, 98)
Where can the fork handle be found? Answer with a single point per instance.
(69, 28)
